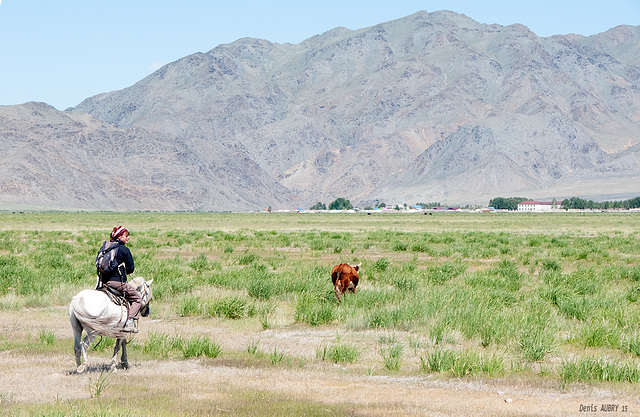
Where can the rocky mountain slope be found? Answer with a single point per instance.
(64, 160)
(431, 107)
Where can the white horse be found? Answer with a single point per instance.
(93, 312)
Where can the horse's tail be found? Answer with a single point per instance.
(102, 325)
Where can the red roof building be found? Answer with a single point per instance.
(531, 205)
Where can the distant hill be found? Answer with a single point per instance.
(430, 107)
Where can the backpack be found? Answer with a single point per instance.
(106, 263)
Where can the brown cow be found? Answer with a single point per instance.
(345, 278)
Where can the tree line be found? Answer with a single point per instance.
(506, 203)
(511, 203)
(337, 204)
(582, 204)
(344, 204)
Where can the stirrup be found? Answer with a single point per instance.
(131, 326)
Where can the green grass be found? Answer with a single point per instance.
(392, 356)
(592, 369)
(201, 346)
(164, 346)
(47, 337)
(338, 353)
(230, 307)
(100, 384)
(462, 364)
(479, 291)
(276, 356)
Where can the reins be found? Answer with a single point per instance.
(97, 344)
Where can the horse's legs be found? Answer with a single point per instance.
(77, 341)
(123, 359)
(84, 346)
(116, 349)
(121, 343)
(80, 346)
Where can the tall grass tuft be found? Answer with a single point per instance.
(189, 306)
(591, 369)
(200, 346)
(97, 387)
(313, 311)
(381, 264)
(265, 311)
(392, 356)
(276, 356)
(439, 360)
(252, 348)
(262, 288)
(600, 335)
(536, 343)
(338, 353)
(445, 272)
(47, 337)
(230, 307)
(162, 345)
(461, 364)
(248, 258)
(631, 343)
(538, 335)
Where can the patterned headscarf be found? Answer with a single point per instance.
(117, 232)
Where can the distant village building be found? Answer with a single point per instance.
(531, 205)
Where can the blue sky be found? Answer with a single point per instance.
(61, 52)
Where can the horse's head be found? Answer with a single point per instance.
(144, 288)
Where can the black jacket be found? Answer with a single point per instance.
(123, 255)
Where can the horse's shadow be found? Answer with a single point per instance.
(104, 368)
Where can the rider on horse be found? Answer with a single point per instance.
(118, 279)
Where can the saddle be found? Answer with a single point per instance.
(116, 297)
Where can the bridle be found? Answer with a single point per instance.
(146, 299)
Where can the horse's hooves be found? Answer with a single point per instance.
(81, 369)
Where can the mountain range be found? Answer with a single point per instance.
(432, 107)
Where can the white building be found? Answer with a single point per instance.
(539, 205)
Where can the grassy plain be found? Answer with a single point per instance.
(548, 299)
